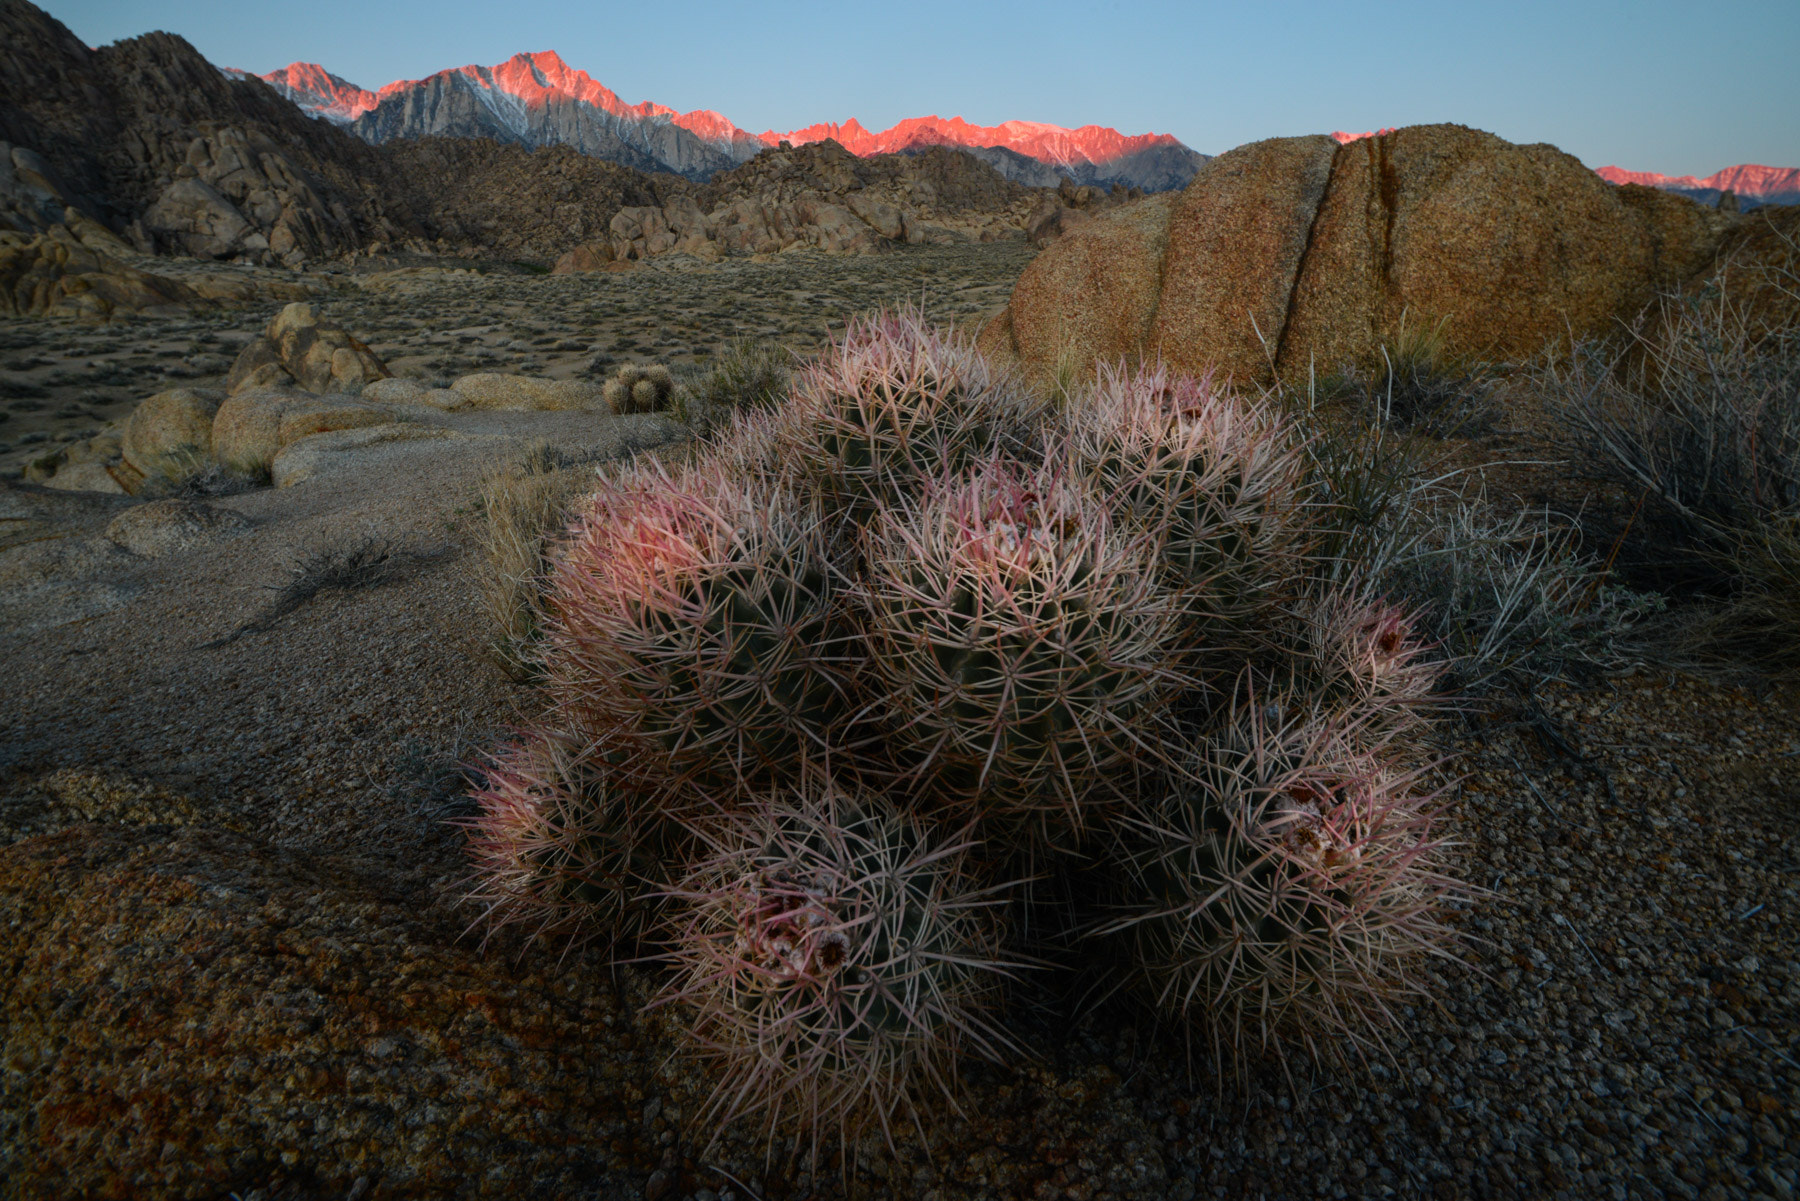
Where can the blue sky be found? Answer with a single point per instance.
(1681, 88)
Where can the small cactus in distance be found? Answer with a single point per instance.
(635, 389)
(835, 959)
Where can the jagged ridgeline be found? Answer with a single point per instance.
(145, 146)
(904, 685)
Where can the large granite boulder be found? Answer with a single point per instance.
(1096, 296)
(251, 427)
(304, 350)
(171, 430)
(1298, 254)
(1510, 247)
(493, 390)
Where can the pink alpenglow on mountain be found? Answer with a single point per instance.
(538, 99)
(320, 92)
(1046, 143)
(1764, 185)
(1342, 138)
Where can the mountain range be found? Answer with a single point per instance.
(538, 99)
(1752, 184)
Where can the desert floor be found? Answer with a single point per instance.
(234, 960)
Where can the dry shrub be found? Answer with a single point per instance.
(526, 505)
(1695, 417)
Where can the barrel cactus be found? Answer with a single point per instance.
(1220, 479)
(567, 839)
(1282, 888)
(694, 612)
(898, 403)
(912, 633)
(639, 389)
(1021, 647)
(836, 959)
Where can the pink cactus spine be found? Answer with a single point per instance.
(565, 838)
(1219, 478)
(896, 403)
(694, 613)
(836, 960)
(1022, 646)
(1361, 664)
(1285, 891)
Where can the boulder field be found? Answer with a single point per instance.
(294, 393)
(1298, 254)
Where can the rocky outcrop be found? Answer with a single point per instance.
(820, 196)
(149, 139)
(1298, 253)
(1057, 212)
(513, 202)
(68, 272)
(300, 349)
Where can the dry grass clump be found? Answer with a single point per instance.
(526, 505)
(1416, 385)
(1695, 418)
(751, 375)
(1505, 597)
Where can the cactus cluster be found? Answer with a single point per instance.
(826, 695)
(636, 389)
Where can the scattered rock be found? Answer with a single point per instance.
(492, 390)
(302, 349)
(165, 527)
(93, 465)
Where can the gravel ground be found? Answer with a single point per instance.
(234, 961)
